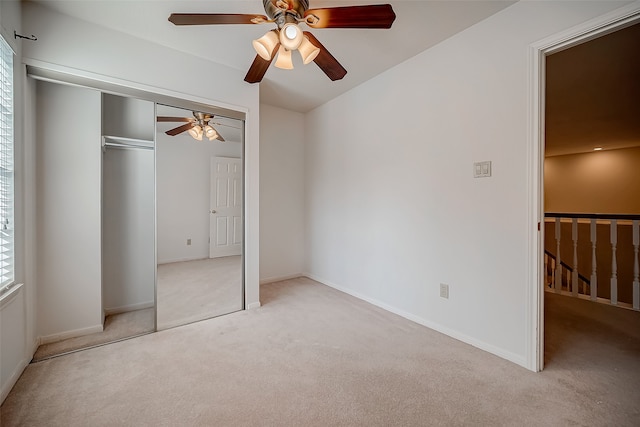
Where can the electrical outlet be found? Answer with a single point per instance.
(444, 290)
(188, 242)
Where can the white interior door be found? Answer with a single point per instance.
(225, 214)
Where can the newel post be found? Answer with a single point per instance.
(614, 264)
(558, 282)
(636, 267)
(594, 275)
(574, 275)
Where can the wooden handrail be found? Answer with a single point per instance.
(568, 267)
(591, 215)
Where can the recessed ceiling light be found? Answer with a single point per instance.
(597, 149)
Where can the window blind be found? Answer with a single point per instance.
(6, 165)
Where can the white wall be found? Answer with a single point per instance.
(183, 193)
(128, 230)
(128, 207)
(392, 208)
(281, 193)
(13, 351)
(16, 349)
(68, 177)
(10, 21)
(128, 117)
(70, 45)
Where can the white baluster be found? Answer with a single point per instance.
(546, 270)
(594, 275)
(574, 276)
(558, 282)
(614, 264)
(636, 268)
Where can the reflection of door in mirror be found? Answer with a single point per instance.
(226, 207)
(199, 190)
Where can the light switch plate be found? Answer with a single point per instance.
(482, 169)
(444, 290)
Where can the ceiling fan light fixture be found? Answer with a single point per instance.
(196, 132)
(284, 59)
(210, 132)
(308, 51)
(265, 44)
(291, 36)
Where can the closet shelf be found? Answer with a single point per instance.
(128, 142)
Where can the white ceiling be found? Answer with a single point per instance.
(365, 53)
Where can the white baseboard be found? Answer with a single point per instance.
(13, 379)
(500, 352)
(253, 305)
(34, 347)
(171, 261)
(70, 334)
(127, 308)
(280, 278)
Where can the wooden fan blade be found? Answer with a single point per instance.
(372, 16)
(220, 138)
(215, 18)
(326, 61)
(173, 119)
(179, 129)
(259, 67)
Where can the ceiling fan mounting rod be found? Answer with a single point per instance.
(285, 11)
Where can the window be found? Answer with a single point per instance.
(6, 165)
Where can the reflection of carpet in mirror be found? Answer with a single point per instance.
(189, 291)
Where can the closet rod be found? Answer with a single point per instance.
(126, 146)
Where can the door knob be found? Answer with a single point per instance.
(213, 211)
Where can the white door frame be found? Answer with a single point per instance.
(597, 27)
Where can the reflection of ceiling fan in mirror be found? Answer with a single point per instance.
(288, 36)
(197, 126)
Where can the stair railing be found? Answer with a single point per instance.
(562, 277)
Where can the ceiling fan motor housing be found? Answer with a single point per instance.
(284, 11)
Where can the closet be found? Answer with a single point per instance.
(117, 194)
(95, 199)
(128, 205)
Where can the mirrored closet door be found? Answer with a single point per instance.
(199, 190)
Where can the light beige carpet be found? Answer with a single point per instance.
(116, 327)
(313, 356)
(187, 292)
(195, 290)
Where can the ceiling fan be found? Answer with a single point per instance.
(197, 126)
(288, 36)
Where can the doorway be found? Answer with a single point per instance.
(540, 52)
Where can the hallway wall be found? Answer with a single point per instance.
(597, 182)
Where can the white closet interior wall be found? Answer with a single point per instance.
(128, 204)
